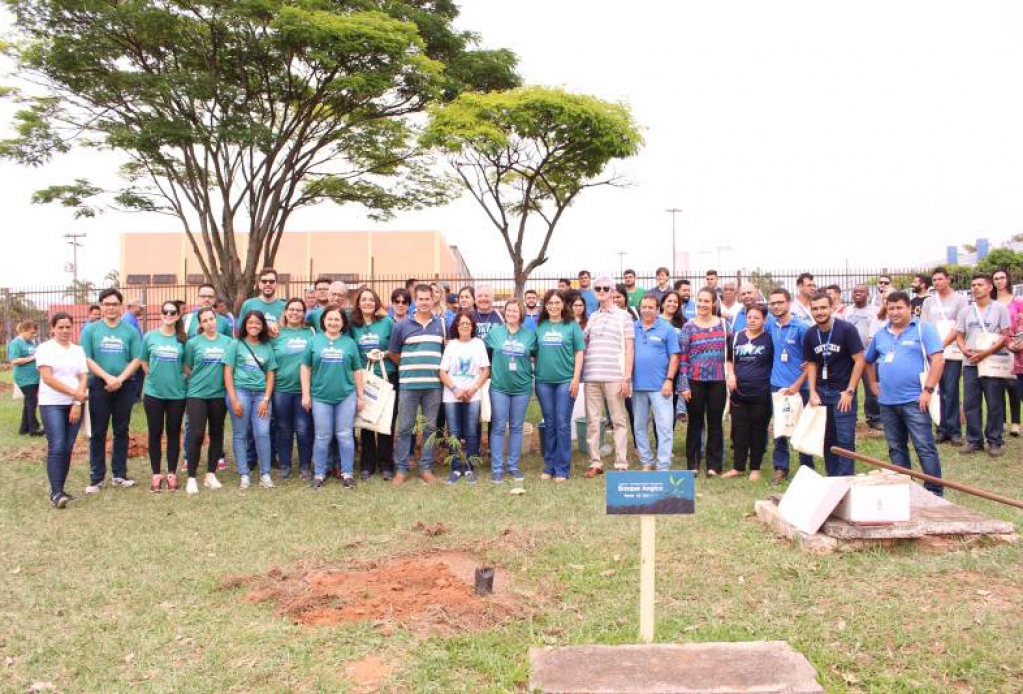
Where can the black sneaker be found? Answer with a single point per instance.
(387, 475)
(348, 482)
(365, 475)
(60, 501)
(317, 482)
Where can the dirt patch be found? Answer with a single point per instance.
(431, 530)
(429, 594)
(865, 432)
(980, 590)
(367, 674)
(138, 447)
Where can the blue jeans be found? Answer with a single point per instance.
(905, 421)
(840, 431)
(409, 403)
(781, 444)
(951, 425)
(292, 419)
(60, 441)
(556, 403)
(464, 422)
(506, 410)
(643, 403)
(250, 422)
(993, 392)
(335, 422)
(105, 407)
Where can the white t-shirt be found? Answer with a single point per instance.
(463, 362)
(67, 363)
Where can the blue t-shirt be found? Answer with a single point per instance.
(832, 351)
(753, 361)
(788, 351)
(530, 321)
(900, 360)
(591, 300)
(689, 309)
(654, 347)
(738, 321)
(485, 322)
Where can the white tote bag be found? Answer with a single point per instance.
(787, 409)
(382, 424)
(996, 365)
(808, 436)
(945, 327)
(934, 406)
(375, 391)
(485, 401)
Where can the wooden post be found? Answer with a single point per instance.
(648, 537)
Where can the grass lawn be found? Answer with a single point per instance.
(123, 591)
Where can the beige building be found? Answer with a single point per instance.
(356, 256)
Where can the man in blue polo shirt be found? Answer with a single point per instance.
(897, 353)
(587, 293)
(787, 372)
(417, 344)
(655, 365)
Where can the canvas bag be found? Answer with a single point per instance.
(375, 391)
(997, 365)
(808, 436)
(787, 409)
(934, 406)
(946, 326)
(485, 402)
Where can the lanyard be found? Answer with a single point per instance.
(826, 352)
(983, 324)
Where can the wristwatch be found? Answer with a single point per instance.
(929, 389)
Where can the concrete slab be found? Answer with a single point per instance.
(755, 667)
(818, 543)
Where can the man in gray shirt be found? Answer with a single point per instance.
(862, 316)
(981, 333)
(942, 310)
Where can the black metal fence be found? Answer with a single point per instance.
(38, 303)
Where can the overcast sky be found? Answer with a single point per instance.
(800, 134)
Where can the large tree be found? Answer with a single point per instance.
(233, 114)
(526, 154)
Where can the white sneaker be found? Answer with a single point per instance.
(94, 488)
(244, 483)
(192, 487)
(122, 482)
(266, 482)
(211, 481)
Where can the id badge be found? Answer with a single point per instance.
(824, 373)
(889, 358)
(784, 356)
(512, 366)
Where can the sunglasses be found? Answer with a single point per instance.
(399, 301)
(170, 313)
(602, 289)
(884, 283)
(268, 281)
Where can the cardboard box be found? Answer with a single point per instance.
(876, 499)
(811, 498)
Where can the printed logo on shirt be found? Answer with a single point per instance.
(552, 338)
(213, 355)
(368, 342)
(251, 364)
(462, 367)
(164, 353)
(111, 344)
(830, 347)
(513, 348)
(295, 345)
(332, 355)
(749, 350)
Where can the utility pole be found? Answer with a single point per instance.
(621, 266)
(673, 211)
(73, 242)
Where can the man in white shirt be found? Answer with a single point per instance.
(942, 310)
(864, 317)
(806, 287)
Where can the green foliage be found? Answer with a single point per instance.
(233, 115)
(763, 280)
(1003, 259)
(525, 154)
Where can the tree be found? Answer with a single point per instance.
(526, 154)
(764, 282)
(1003, 259)
(113, 279)
(80, 291)
(233, 115)
(14, 308)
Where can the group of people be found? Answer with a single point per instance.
(291, 376)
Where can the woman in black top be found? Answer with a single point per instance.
(748, 374)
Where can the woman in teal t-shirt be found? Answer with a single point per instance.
(372, 333)
(249, 377)
(511, 380)
(21, 352)
(559, 366)
(292, 420)
(204, 397)
(163, 357)
(332, 391)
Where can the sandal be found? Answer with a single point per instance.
(157, 483)
(730, 474)
(593, 471)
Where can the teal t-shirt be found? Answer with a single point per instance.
(556, 345)
(273, 311)
(165, 356)
(334, 363)
(312, 318)
(248, 372)
(24, 374)
(376, 335)
(112, 348)
(289, 349)
(205, 358)
(192, 319)
(511, 365)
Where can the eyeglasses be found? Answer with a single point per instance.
(886, 282)
(399, 301)
(111, 303)
(170, 312)
(268, 281)
(602, 289)
(207, 296)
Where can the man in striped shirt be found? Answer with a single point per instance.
(607, 374)
(417, 344)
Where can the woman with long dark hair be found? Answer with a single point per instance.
(577, 304)
(464, 368)
(163, 359)
(559, 365)
(673, 312)
(249, 376)
(291, 419)
(1003, 294)
(62, 395)
(372, 335)
(621, 299)
(703, 343)
(205, 397)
